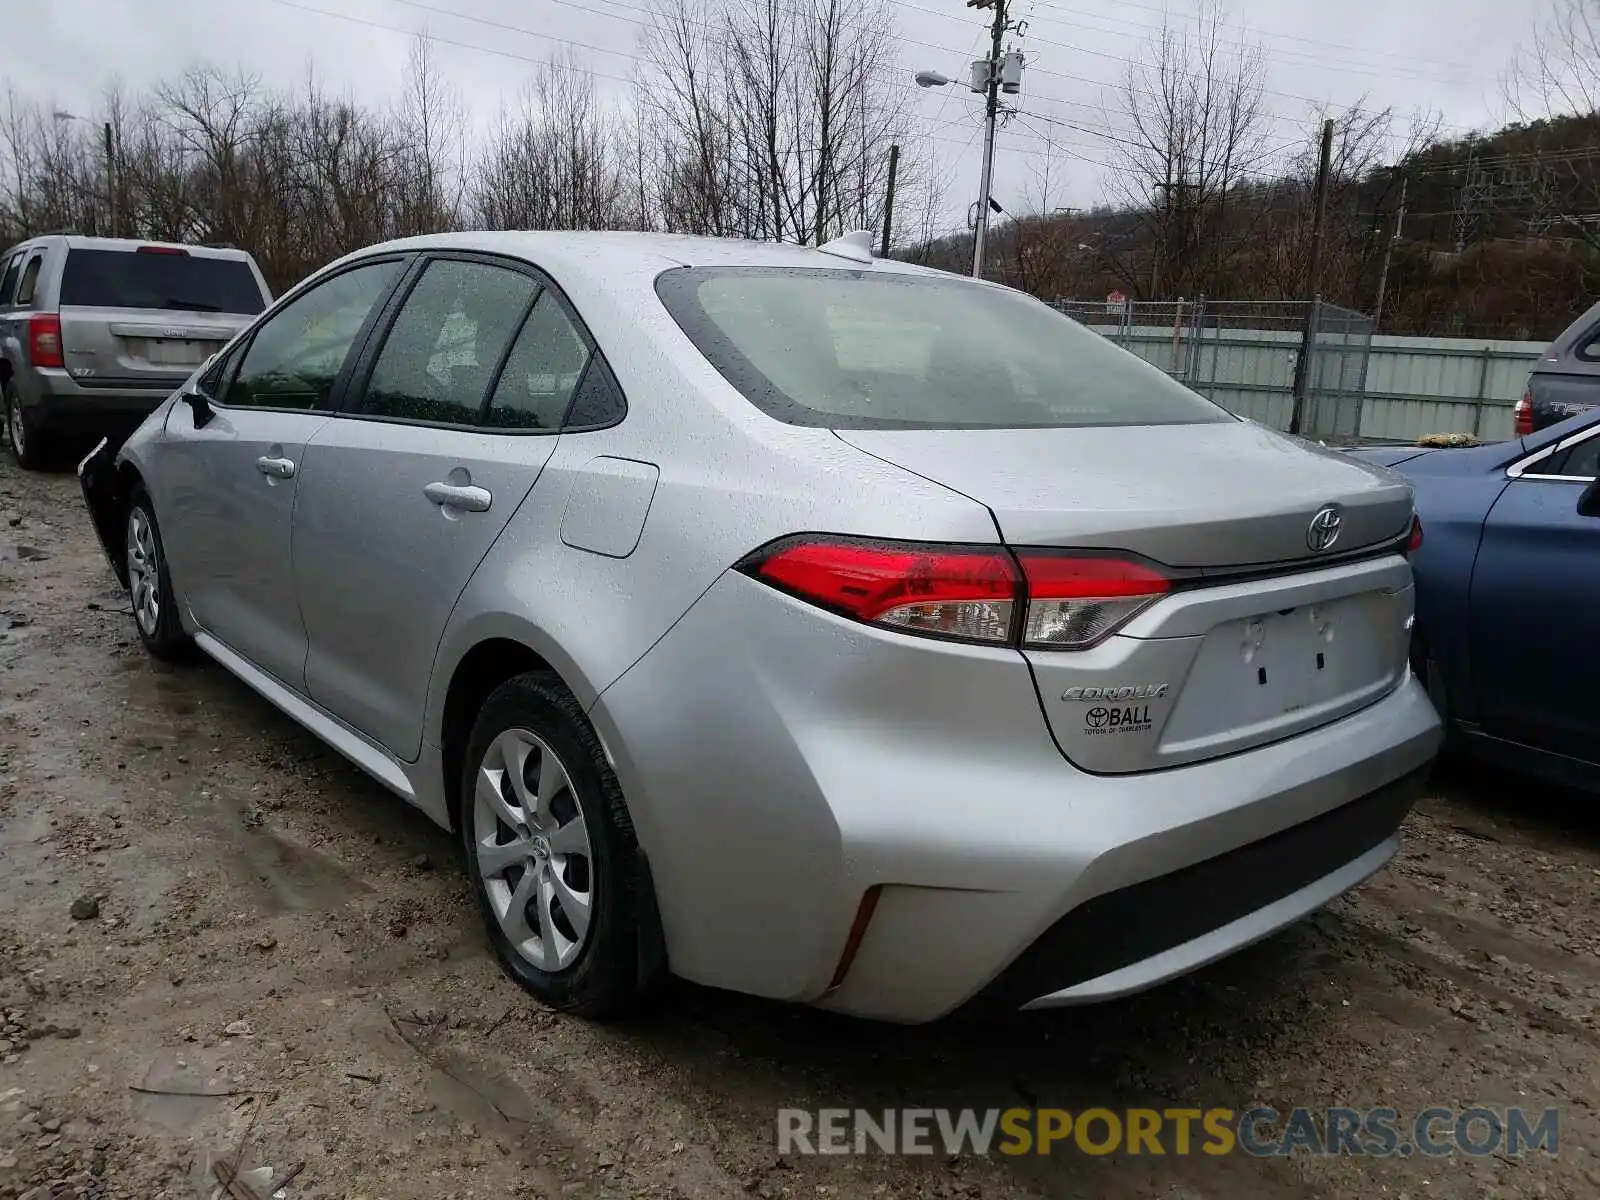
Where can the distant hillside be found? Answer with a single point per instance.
(1501, 239)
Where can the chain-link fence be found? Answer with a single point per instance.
(1246, 354)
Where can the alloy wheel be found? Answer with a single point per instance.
(532, 845)
(144, 572)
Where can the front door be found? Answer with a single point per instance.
(1536, 609)
(228, 484)
(403, 494)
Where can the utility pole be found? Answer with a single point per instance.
(888, 200)
(997, 33)
(1388, 253)
(1302, 365)
(111, 180)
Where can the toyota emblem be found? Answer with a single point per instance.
(1324, 529)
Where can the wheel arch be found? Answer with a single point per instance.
(500, 652)
(475, 660)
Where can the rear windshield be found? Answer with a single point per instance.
(867, 350)
(136, 279)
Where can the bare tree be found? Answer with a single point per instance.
(775, 119)
(555, 161)
(433, 124)
(1190, 130)
(1559, 71)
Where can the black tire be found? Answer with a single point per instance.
(164, 637)
(31, 447)
(604, 979)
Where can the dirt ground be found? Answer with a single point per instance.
(256, 918)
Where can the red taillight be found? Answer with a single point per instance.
(1067, 601)
(44, 340)
(161, 250)
(1522, 415)
(1414, 542)
(1075, 601)
(943, 591)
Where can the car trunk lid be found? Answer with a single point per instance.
(1209, 496)
(1263, 634)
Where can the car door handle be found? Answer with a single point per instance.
(277, 468)
(469, 498)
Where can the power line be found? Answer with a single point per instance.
(1286, 37)
(354, 20)
(1140, 32)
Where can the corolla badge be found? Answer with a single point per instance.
(1142, 691)
(1324, 529)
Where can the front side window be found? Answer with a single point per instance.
(542, 372)
(450, 335)
(294, 359)
(879, 350)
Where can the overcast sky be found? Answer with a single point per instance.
(1444, 55)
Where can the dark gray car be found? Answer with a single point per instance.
(1566, 381)
(96, 332)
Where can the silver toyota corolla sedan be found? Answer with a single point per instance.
(818, 627)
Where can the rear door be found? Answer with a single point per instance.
(1535, 607)
(147, 316)
(227, 485)
(404, 493)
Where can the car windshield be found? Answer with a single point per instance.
(864, 350)
(185, 282)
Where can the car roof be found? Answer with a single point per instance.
(78, 241)
(630, 254)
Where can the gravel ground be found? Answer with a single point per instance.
(196, 896)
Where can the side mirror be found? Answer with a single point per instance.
(199, 406)
(1589, 502)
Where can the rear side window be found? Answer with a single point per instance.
(8, 282)
(542, 372)
(450, 336)
(1583, 460)
(1576, 462)
(599, 401)
(159, 279)
(875, 350)
(30, 279)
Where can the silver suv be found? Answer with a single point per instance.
(96, 332)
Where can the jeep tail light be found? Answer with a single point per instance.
(1414, 542)
(179, 250)
(942, 591)
(44, 340)
(1522, 415)
(1039, 599)
(1075, 601)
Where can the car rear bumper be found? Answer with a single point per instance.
(782, 764)
(1179, 922)
(63, 405)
